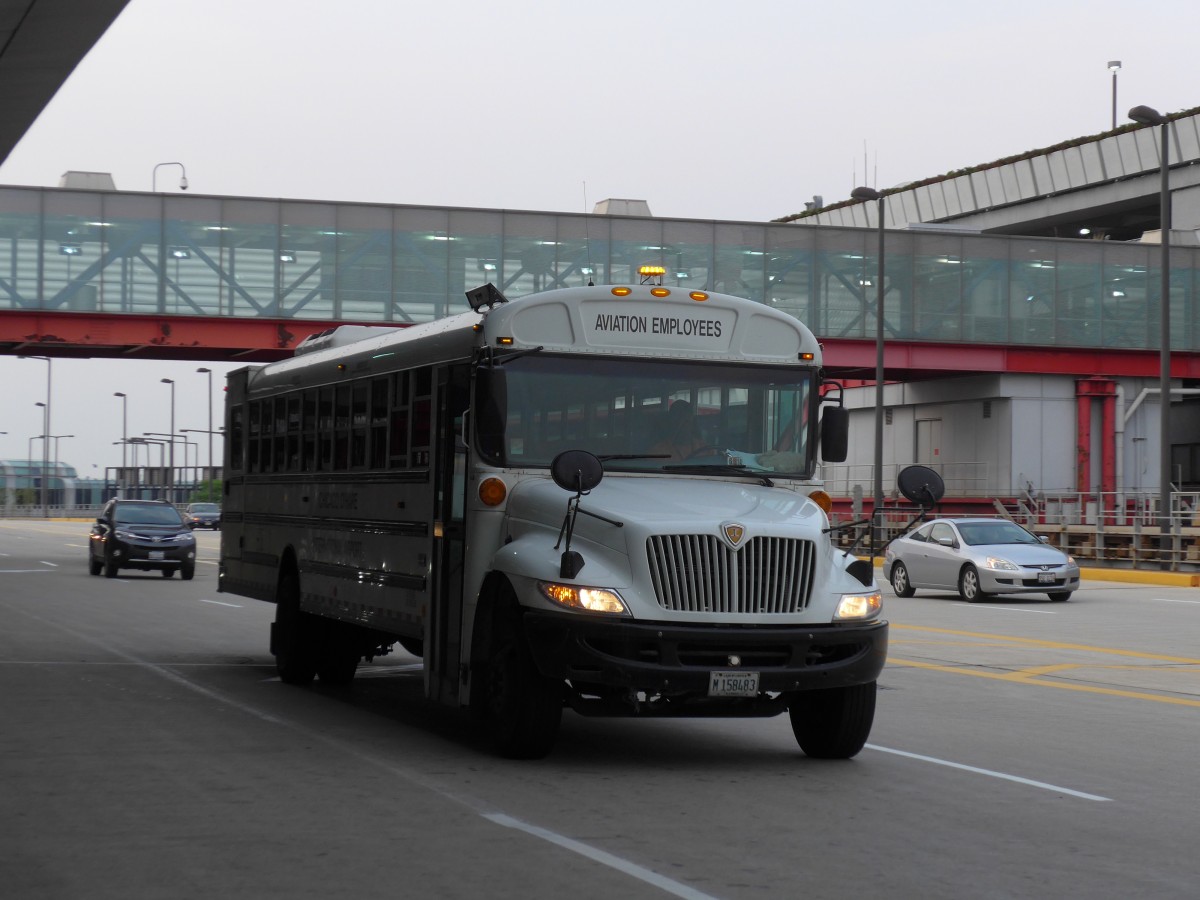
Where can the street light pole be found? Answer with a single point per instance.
(45, 429)
(183, 182)
(124, 438)
(864, 194)
(210, 428)
(57, 438)
(171, 470)
(1114, 66)
(1145, 115)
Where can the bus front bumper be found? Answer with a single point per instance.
(661, 658)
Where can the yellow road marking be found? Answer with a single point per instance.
(1025, 677)
(1052, 645)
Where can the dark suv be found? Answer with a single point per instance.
(141, 534)
(203, 515)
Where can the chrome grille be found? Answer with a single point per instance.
(700, 573)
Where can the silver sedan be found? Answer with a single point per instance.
(978, 557)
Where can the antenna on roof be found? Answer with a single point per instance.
(587, 234)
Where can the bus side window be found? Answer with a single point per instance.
(398, 424)
(236, 437)
(254, 443)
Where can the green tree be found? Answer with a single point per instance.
(207, 492)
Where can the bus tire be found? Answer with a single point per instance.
(293, 638)
(523, 707)
(833, 723)
(339, 659)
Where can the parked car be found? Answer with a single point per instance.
(203, 515)
(141, 534)
(978, 557)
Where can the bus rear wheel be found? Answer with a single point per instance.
(833, 723)
(293, 637)
(523, 707)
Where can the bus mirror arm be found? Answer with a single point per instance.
(572, 561)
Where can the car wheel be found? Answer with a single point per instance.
(167, 573)
(94, 565)
(900, 583)
(833, 723)
(1059, 596)
(110, 568)
(187, 573)
(968, 585)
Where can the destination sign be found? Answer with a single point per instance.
(693, 326)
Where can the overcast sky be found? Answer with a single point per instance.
(708, 109)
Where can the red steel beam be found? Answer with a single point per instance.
(904, 359)
(154, 337)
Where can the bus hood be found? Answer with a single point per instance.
(625, 521)
(672, 505)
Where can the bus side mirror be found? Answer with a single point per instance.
(490, 411)
(835, 433)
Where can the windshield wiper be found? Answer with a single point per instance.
(607, 456)
(697, 469)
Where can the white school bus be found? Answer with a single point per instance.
(600, 499)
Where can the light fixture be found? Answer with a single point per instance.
(70, 249)
(287, 256)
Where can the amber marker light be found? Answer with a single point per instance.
(822, 500)
(698, 296)
(622, 291)
(492, 491)
(807, 357)
(504, 341)
(660, 292)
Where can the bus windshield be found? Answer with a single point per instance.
(647, 415)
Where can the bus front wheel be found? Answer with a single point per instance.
(523, 707)
(833, 723)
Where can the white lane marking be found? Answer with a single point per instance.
(992, 774)
(44, 563)
(607, 859)
(219, 603)
(21, 571)
(410, 775)
(1040, 612)
(1172, 600)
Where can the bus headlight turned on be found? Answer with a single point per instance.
(855, 607)
(599, 600)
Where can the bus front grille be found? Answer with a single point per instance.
(700, 573)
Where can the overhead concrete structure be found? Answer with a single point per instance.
(41, 43)
(1104, 187)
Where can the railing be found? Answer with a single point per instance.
(962, 479)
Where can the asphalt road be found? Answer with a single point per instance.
(1021, 749)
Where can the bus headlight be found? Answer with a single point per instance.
(600, 600)
(858, 606)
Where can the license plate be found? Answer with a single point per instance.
(733, 684)
(1046, 578)
(157, 554)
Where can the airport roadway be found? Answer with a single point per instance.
(1021, 749)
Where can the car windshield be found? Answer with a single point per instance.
(204, 508)
(652, 415)
(147, 515)
(977, 533)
